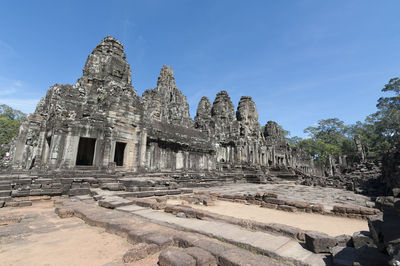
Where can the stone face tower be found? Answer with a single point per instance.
(202, 119)
(108, 63)
(166, 103)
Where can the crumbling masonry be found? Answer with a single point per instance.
(101, 123)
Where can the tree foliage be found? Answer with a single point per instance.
(329, 136)
(379, 131)
(10, 121)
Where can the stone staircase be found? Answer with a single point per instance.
(283, 173)
(27, 186)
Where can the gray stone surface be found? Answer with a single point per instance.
(175, 257)
(362, 238)
(348, 256)
(201, 256)
(319, 242)
(277, 246)
(288, 190)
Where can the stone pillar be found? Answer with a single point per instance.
(142, 157)
(70, 149)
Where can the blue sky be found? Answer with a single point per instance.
(301, 61)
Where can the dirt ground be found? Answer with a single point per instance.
(42, 238)
(307, 221)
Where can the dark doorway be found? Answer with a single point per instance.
(85, 151)
(48, 140)
(119, 153)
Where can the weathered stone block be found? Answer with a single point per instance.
(349, 256)
(78, 191)
(268, 205)
(237, 256)
(319, 208)
(5, 193)
(297, 204)
(201, 256)
(139, 251)
(344, 241)
(5, 187)
(64, 212)
(339, 209)
(24, 203)
(159, 239)
(396, 192)
(274, 201)
(363, 238)
(137, 235)
(287, 208)
(175, 257)
(20, 193)
(319, 242)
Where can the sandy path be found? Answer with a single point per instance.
(55, 241)
(308, 221)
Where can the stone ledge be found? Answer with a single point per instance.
(158, 237)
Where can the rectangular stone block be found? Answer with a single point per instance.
(5, 193)
(5, 186)
(268, 205)
(287, 208)
(274, 201)
(319, 242)
(78, 191)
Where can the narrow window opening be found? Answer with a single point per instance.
(48, 140)
(119, 153)
(85, 151)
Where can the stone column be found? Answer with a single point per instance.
(143, 140)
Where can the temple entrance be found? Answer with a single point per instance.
(119, 153)
(85, 151)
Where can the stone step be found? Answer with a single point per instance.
(78, 191)
(24, 203)
(279, 247)
(5, 186)
(5, 199)
(114, 202)
(5, 193)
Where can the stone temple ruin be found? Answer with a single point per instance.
(136, 166)
(101, 123)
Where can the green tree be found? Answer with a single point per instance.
(329, 136)
(387, 119)
(10, 121)
(10, 113)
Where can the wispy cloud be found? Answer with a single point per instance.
(24, 105)
(12, 94)
(6, 50)
(10, 86)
